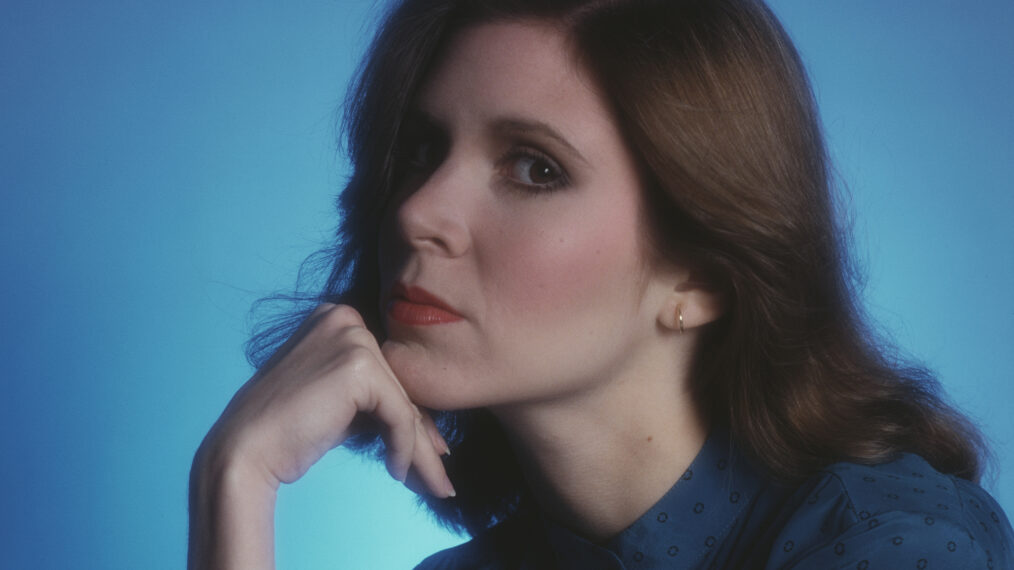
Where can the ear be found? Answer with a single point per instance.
(698, 302)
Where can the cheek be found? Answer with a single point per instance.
(570, 264)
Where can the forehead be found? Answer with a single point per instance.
(511, 48)
(515, 69)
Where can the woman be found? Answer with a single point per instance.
(599, 238)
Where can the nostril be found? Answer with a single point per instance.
(441, 235)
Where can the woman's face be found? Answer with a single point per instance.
(522, 212)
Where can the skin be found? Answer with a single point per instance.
(552, 282)
(569, 330)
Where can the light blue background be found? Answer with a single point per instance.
(165, 164)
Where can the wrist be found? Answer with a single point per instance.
(231, 512)
(229, 457)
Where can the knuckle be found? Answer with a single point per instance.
(405, 425)
(322, 308)
(357, 358)
(345, 315)
(401, 420)
(329, 323)
(402, 436)
(337, 318)
(354, 334)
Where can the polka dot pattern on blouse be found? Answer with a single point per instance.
(722, 513)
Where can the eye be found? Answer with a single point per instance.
(421, 154)
(420, 147)
(532, 170)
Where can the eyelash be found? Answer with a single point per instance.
(509, 160)
(409, 158)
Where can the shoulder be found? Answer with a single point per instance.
(903, 513)
(504, 546)
(470, 554)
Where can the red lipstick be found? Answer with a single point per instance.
(413, 305)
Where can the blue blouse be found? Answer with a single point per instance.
(722, 513)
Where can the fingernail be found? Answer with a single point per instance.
(449, 487)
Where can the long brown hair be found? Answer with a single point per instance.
(712, 96)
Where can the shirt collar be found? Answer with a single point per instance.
(694, 517)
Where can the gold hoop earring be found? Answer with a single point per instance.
(679, 316)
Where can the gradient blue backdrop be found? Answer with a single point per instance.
(165, 164)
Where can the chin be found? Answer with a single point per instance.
(438, 393)
(431, 385)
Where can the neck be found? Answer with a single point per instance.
(596, 461)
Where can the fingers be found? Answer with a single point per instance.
(304, 328)
(400, 435)
(434, 434)
(427, 469)
(307, 398)
(409, 437)
(413, 441)
(410, 447)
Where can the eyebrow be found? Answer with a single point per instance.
(505, 126)
(520, 126)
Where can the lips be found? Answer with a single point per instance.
(412, 305)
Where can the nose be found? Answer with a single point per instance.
(433, 217)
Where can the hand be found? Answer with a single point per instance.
(300, 405)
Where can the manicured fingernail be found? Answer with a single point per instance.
(439, 443)
(449, 488)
